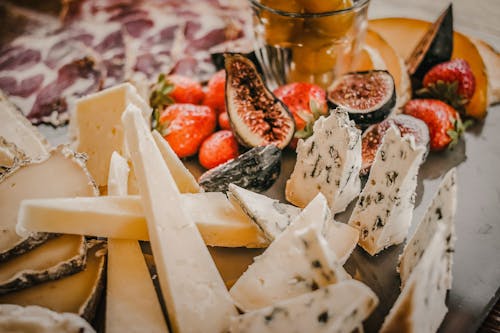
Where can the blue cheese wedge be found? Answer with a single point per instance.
(384, 208)
(270, 215)
(441, 211)
(284, 270)
(328, 162)
(341, 307)
(421, 305)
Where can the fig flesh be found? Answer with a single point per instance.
(372, 137)
(368, 97)
(257, 117)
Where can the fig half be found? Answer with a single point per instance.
(257, 117)
(368, 97)
(372, 137)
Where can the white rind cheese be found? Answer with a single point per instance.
(186, 183)
(219, 222)
(441, 211)
(421, 305)
(269, 214)
(61, 174)
(328, 162)
(341, 307)
(16, 319)
(284, 269)
(195, 295)
(99, 128)
(384, 208)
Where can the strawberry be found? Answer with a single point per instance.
(216, 92)
(186, 90)
(185, 126)
(218, 148)
(445, 125)
(306, 102)
(452, 82)
(224, 121)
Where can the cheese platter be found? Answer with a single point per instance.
(281, 224)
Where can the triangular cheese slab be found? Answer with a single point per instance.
(384, 208)
(441, 211)
(341, 307)
(270, 215)
(328, 162)
(421, 305)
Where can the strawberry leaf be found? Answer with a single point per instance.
(446, 92)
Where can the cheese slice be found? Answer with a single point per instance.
(341, 238)
(271, 216)
(61, 174)
(78, 293)
(15, 128)
(219, 222)
(329, 162)
(15, 318)
(341, 307)
(194, 292)
(421, 305)
(384, 208)
(284, 270)
(186, 183)
(99, 129)
(118, 175)
(55, 258)
(441, 211)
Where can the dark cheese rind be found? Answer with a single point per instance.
(96, 252)
(26, 244)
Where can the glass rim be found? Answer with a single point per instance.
(358, 4)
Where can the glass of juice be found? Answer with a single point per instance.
(307, 40)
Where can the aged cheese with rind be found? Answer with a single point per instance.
(340, 307)
(61, 174)
(186, 183)
(77, 293)
(270, 215)
(99, 128)
(328, 162)
(384, 208)
(421, 306)
(15, 128)
(17, 319)
(284, 270)
(195, 295)
(10, 154)
(441, 211)
(219, 222)
(55, 258)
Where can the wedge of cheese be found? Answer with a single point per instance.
(15, 318)
(219, 222)
(78, 293)
(186, 183)
(55, 258)
(421, 305)
(384, 208)
(99, 128)
(341, 307)
(285, 269)
(61, 174)
(441, 211)
(15, 128)
(132, 304)
(328, 162)
(271, 216)
(195, 295)
(341, 238)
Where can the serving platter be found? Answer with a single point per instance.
(476, 269)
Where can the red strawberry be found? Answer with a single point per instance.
(306, 102)
(186, 90)
(224, 121)
(445, 125)
(452, 82)
(185, 126)
(216, 92)
(218, 148)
